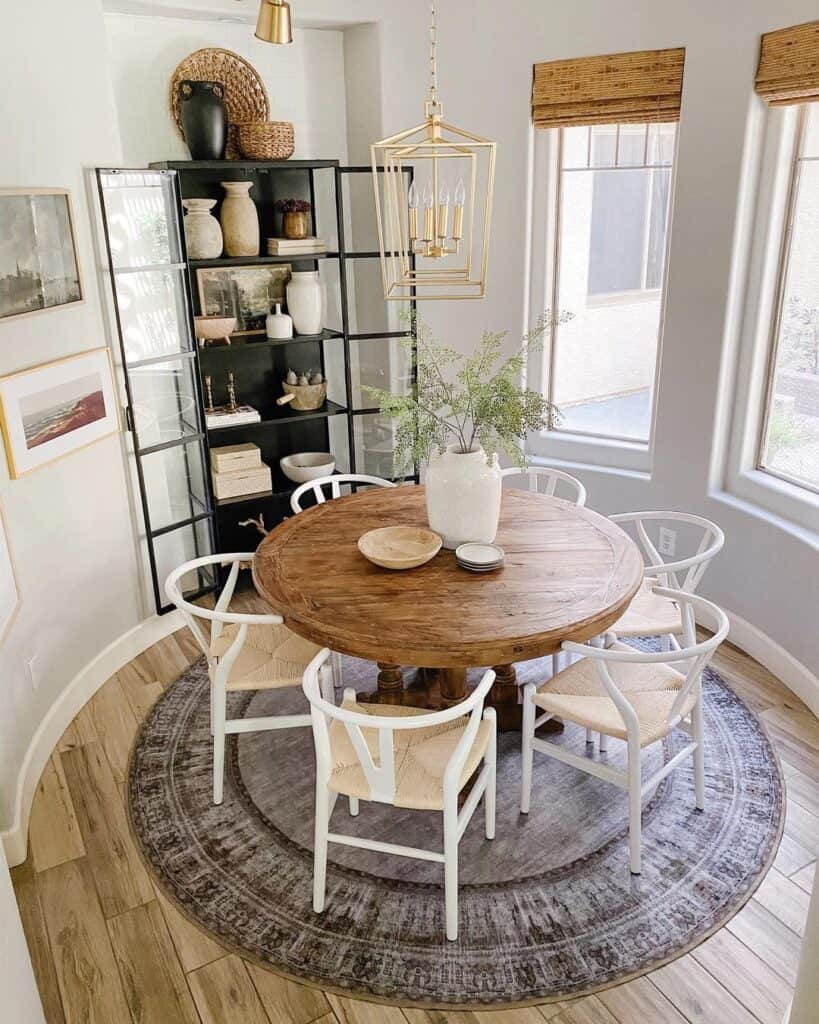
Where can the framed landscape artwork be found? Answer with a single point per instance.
(38, 254)
(248, 293)
(55, 409)
(9, 594)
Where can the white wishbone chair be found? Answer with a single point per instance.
(649, 613)
(245, 651)
(405, 757)
(334, 483)
(633, 696)
(545, 480)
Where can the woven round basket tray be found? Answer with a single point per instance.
(245, 94)
(266, 140)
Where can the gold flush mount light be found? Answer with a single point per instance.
(274, 25)
(433, 195)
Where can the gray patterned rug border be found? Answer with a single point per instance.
(205, 917)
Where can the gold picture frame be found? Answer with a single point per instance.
(8, 580)
(75, 406)
(223, 290)
(40, 248)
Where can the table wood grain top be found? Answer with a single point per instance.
(569, 573)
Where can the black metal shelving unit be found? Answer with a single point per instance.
(258, 363)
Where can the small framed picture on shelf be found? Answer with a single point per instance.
(248, 293)
(39, 269)
(55, 409)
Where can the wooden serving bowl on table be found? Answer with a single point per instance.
(399, 547)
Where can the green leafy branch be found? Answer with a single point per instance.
(468, 401)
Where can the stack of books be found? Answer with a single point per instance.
(225, 416)
(238, 470)
(295, 246)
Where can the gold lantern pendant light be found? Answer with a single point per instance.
(273, 25)
(434, 204)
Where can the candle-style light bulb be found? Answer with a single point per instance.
(443, 210)
(458, 218)
(412, 202)
(428, 199)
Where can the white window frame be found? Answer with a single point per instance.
(775, 155)
(576, 447)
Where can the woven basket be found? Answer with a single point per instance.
(266, 140)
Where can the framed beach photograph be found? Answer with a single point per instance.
(9, 592)
(248, 293)
(39, 269)
(55, 409)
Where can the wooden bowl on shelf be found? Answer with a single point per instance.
(399, 547)
(214, 328)
(303, 397)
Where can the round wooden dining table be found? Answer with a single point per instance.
(569, 573)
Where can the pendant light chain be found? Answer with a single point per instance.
(433, 56)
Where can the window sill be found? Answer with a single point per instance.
(631, 457)
(795, 505)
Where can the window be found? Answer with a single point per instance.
(613, 208)
(789, 443)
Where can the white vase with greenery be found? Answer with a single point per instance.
(459, 413)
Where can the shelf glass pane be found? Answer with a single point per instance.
(164, 402)
(153, 314)
(182, 545)
(141, 217)
(380, 363)
(373, 435)
(175, 484)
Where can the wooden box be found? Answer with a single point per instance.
(243, 481)
(234, 457)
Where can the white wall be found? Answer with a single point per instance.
(768, 572)
(305, 82)
(68, 523)
(17, 981)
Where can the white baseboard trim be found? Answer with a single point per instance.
(61, 713)
(797, 677)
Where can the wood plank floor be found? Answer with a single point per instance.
(107, 948)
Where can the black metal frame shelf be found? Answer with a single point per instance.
(258, 364)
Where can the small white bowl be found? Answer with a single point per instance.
(304, 466)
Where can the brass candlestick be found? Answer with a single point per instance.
(209, 392)
(231, 391)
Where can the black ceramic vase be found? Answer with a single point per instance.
(204, 119)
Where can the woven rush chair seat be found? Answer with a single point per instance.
(421, 757)
(649, 614)
(272, 657)
(577, 694)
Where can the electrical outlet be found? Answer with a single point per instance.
(667, 543)
(31, 671)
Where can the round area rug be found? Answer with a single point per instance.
(548, 909)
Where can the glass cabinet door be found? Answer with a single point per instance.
(142, 228)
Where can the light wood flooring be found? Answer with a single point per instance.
(107, 947)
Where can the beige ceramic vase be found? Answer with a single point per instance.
(240, 221)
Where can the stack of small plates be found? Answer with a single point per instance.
(479, 557)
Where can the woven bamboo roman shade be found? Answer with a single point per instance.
(789, 65)
(623, 88)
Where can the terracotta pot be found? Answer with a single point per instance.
(294, 225)
(240, 220)
(202, 232)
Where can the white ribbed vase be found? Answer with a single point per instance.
(463, 496)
